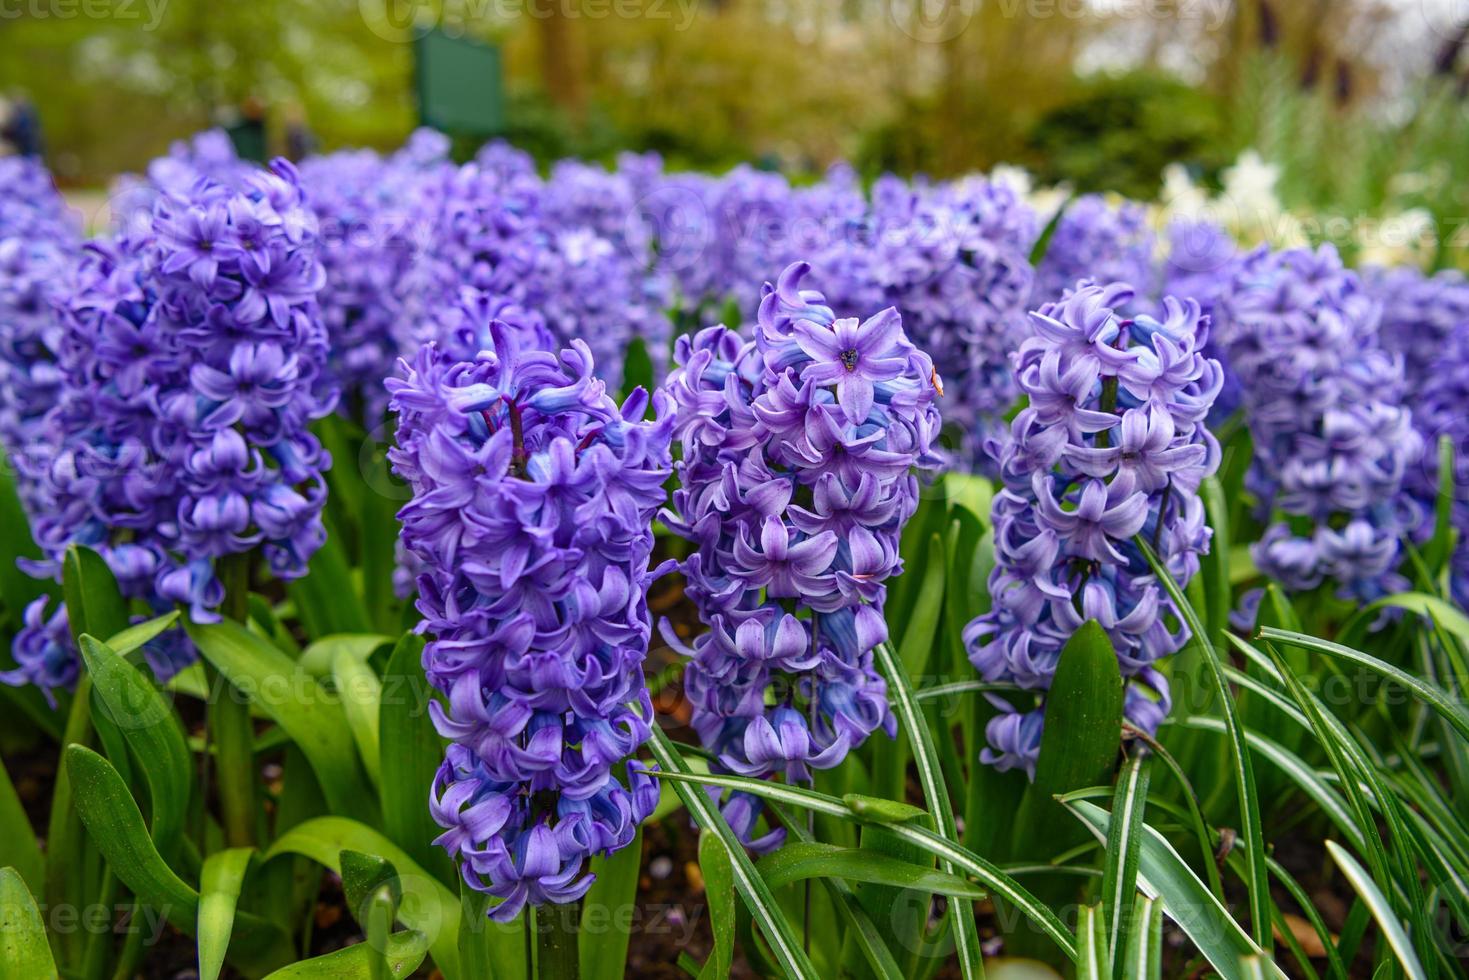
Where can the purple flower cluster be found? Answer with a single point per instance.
(718, 236)
(191, 359)
(370, 234)
(542, 254)
(1201, 265)
(954, 259)
(1111, 445)
(1099, 241)
(1325, 406)
(39, 245)
(1425, 319)
(533, 501)
(799, 455)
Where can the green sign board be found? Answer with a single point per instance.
(459, 85)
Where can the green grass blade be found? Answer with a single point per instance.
(798, 861)
(220, 881)
(18, 847)
(1092, 962)
(1257, 881)
(361, 693)
(1165, 875)
(719, 889)
(604, 954)
(411, 750)
(1300, 772)
(931, 779)
(135, 637)
(864, 931)
(405, 953)
(1445, 705)
(24, 951)
(428, 907)
(1124, 843)
(1380, 908)
(115, 825)
(1142, 949)
(752, 888)
(995, 881)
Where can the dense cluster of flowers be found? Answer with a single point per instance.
(1201, 264)
(553, 254)
(367, 208)
(533, 501)
(1098, 241)
(39, 244)
(800, 453)
(1425, 319)
(955, 260)
(1325, 406)
(1111, 445)
(192, 362)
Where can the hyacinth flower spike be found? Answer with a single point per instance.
(531, 522)
(1088, 465)
(800, 449)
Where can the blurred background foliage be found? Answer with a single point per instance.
(1361, 103)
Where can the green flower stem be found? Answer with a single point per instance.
(556, 928)
(229, 720)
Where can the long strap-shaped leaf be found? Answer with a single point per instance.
(1380, 908)
(152, 730)
(1202, 917)
(1433, 696)
(752, 887)
(931, 778)
(864, 930)
(113, 821)
(1091, 945)
(315, 722)
(1244, 773)
(24, 951)
(220, 881)
(1124, 843)
(865, 811)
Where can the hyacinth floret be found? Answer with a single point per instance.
(192, 360)
(531, 518)
(801, 449)
(1111, 444)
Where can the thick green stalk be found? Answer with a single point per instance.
(66, 879)
(556, 928)
(229, 720)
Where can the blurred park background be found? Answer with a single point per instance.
(1360, 104)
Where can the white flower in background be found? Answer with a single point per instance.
(1405, 238)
